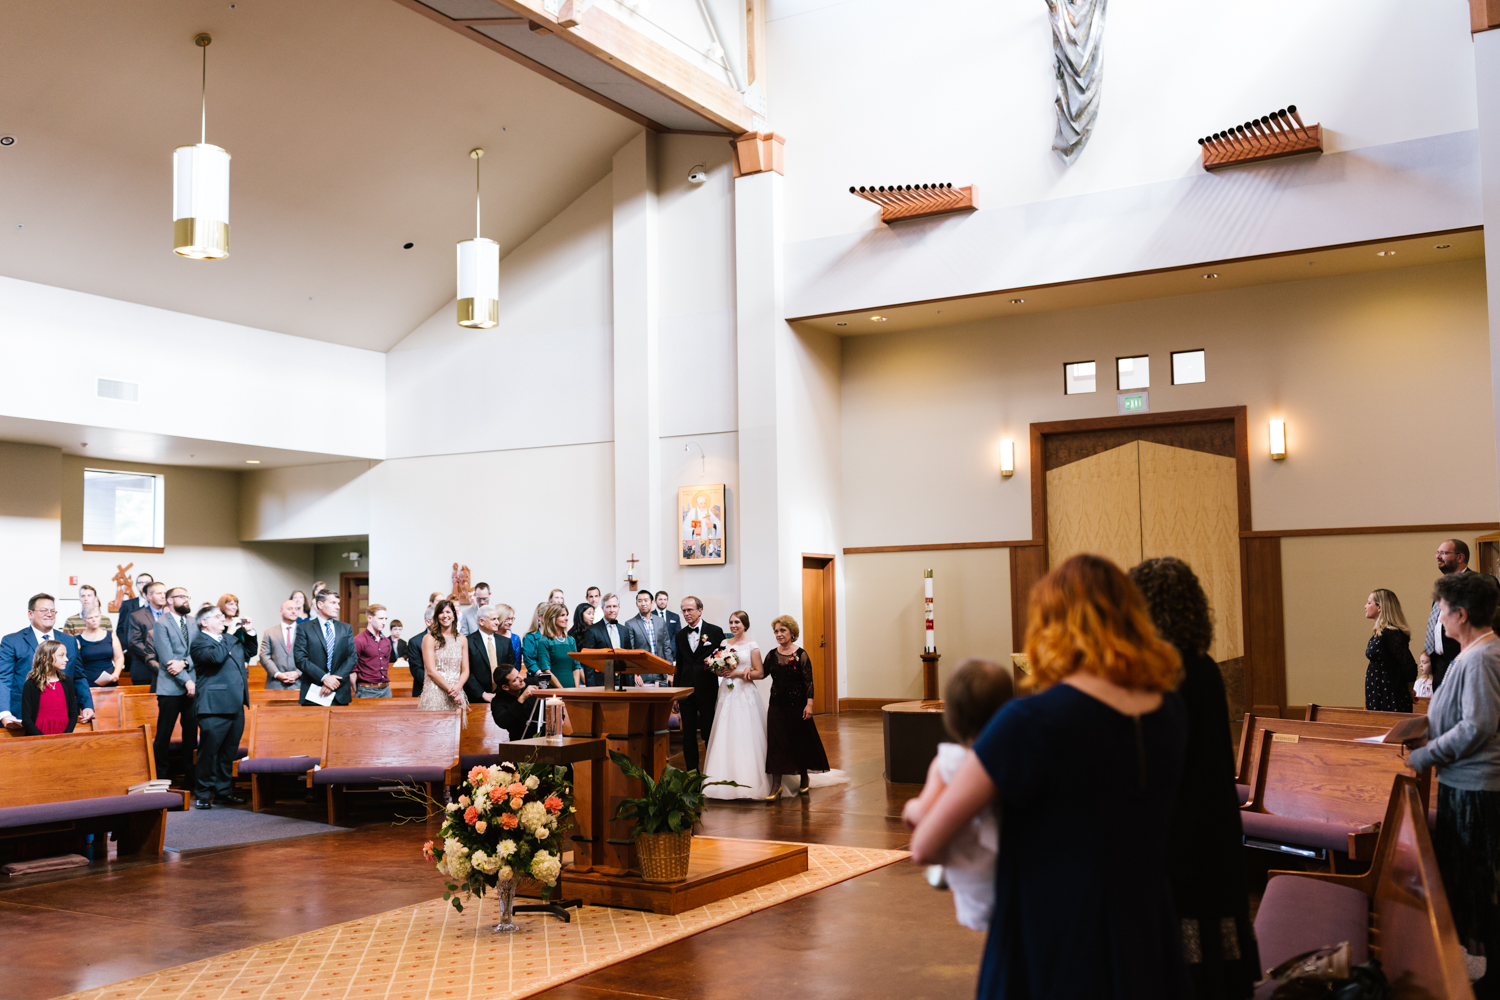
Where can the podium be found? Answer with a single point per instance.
(613, 663)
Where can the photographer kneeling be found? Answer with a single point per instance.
(515, 708)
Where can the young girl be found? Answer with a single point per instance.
(975, 692)
(48, 703)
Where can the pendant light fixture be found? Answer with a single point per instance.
(200, 189)
(478, 271)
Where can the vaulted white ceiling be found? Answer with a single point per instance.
(349, 122)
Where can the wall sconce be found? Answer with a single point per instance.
(1278, 439)
(1007, 458)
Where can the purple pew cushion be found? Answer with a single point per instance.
(107, 805)
(1243, 791)
(472, 760)
(1298, 914)
(376, 775)
(277, 765)
(1304, 832)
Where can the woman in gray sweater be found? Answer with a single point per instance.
(1463, 741)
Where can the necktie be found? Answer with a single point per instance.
(328, 644)
(182, 627)
(489, 647)
(287, 635)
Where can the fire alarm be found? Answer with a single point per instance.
(72, 581)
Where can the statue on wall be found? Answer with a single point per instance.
(1077, 34)
(463, 591)
(124, 591)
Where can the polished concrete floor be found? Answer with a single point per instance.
(884, 934)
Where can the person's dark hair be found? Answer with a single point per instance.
(148, 576)
(591, 590)
(744, 618)
(176, 590)
(578, 625)
(975, 692)
(481, 586)
(1176, 602)
(306, 604)
(1460, 546)
(41, 663)
(648, 593)
(436, 628)
(662, 593)
(395, 623)
(1476, 593)
(31, 604)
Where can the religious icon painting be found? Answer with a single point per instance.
(700, 512)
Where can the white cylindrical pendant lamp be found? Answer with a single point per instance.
(200, 201)
(478, 283)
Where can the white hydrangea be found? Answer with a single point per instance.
(499, 776)
(451, 807)
(531, 783)
(545, 867)
(452, 848)
(532, 815)
(505, 848)
(442, 868)
(486, 863)
(458, 866)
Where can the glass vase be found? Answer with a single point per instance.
(505, 895)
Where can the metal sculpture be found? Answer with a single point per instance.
(1077, 34)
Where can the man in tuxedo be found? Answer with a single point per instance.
(325, 650)
(223, 695)
(142, 629)
(277, 648)
(696, 641)
(172, 646)
(468, 622)
(490, 655)
(17, 650)
(650, 632)
(607, 633)
(670, 620)
(128, 607)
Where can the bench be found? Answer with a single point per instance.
(1397, 911)
(107, 704)
(77, 782)
(373, 747)
(283, 739)
(478, 745)
(141, 710)
(1357, 716)
(275, 696)
(1255, 724)
(1314, 797)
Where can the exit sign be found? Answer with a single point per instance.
(1134, 402)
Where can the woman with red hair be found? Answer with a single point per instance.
(1084, 775)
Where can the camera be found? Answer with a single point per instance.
(697, 175)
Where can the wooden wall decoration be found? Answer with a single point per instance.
(917, 201)
(124, 586)
(1280, 133)
(463, 588)
(758, 153)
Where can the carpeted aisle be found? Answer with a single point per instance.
(224, 827)
(430, 950)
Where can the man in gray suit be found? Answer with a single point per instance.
(223, 696)
(278, 648)
(171, 641)
(468, 622)
(650, 633)
(325, 650)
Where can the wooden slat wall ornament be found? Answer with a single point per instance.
(1265, 624)
(917, 201)
(1270, 137)
(1484, 15)
(757, 153)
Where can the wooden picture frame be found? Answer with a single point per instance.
(702, 525)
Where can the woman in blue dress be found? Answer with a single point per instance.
(1084, 775)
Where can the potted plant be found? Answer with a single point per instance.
(664, 817)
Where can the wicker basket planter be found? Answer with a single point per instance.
(664, 856)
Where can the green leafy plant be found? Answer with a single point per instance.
(670, 805)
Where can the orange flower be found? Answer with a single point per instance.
(427, 851)
(516, 804)
(553, 803)
(517, 790)
(477, 775)
(509, 821)
(497, 795)
(470, 815)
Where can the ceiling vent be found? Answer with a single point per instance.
(129, 392)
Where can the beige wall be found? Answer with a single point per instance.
(881, 633)
(1326, 580)
(30, 513)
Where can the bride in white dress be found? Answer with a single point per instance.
(737, 742)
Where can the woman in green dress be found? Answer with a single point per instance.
(553, 644)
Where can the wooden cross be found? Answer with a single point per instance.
(630, 580)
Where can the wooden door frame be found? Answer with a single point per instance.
(346, 605)
(1260, 558)
(830, 678)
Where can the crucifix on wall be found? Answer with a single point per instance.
(124, 591)
(630, 581)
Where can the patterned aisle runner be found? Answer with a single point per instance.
(430, 950)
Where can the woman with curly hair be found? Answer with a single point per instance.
(1207, 866)
(1084, 775)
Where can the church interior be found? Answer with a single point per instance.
(952, 293)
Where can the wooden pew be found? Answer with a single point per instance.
(1315, 797)
(1356, 716)
(140, 710)
(1254, 724)
(372, 747)
(275, 696)
(478, 744)
(107, 704)
(390, 704)
(1397, 911)
(77, 782)
(283, 739)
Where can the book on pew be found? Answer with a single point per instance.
(154, 785)
(1406, 729)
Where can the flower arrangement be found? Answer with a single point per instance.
(506, 825)
(723, 660)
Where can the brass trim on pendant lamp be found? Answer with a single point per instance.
(478, 271)
(200, 188)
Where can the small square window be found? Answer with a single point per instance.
(1188, 366)
(123, 509)
(1078, 376)
(1133, 373)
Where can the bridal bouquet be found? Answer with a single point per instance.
(506, 825)
(723, 660)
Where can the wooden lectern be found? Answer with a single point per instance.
(614, 664)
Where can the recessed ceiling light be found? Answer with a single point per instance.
(1385, 253)
(1210, 275)
(7, 140)
(877, 319)
(252, 461)
(1442, 246)
(843, 324)
(1016, 302)
(407, 246)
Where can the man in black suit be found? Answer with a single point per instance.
(608, 633)
(414, 655)
(122, 623)
(668, 619)
(223, 695)
(142, 627)
(696, 641)
(325, 650)
(490, 656)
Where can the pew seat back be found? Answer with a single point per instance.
(1255, 725)
(480, 741)
(1356, 716)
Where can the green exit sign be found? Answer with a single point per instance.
(1134, 402)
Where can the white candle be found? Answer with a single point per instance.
(930, 646)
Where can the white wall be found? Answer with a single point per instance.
(267, 385)
(701, 460)
(305, 501)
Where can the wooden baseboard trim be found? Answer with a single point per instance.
(123, 548)
(867, 704)
(1383, 529)
(1018, 543)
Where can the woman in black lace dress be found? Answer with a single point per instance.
(792, 741)
(1392, 670)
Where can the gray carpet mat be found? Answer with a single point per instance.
(223, 827)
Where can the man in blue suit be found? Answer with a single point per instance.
(16, 651)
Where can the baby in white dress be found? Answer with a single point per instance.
(975, 692)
